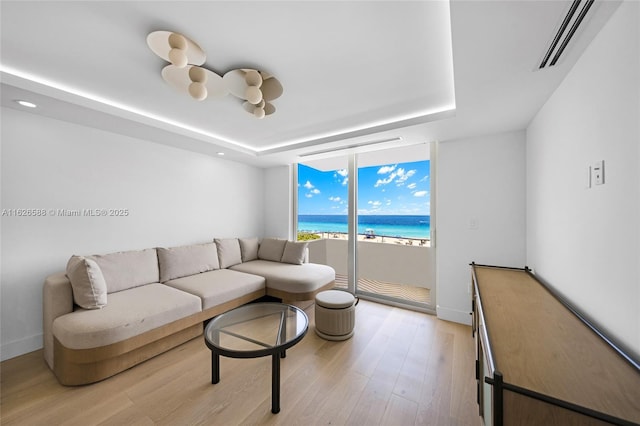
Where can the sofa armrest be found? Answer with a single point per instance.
(57, 300)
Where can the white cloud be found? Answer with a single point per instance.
(375, 204)
(336, 199)
(386, 169)
(308, 185)
(343, 172)
(420, 193)
(390, 179)
(399, 175)
(315, 191)
(345, 181)
(308, 195)
(412, 185)
(403, 176)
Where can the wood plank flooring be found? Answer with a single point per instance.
(401, 292)
(400, 368)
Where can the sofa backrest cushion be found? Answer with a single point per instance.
(178, 262)
(294, 252)
(249, 249)
(87, 283)
(128, 269)
(229, 253)
(271, 249)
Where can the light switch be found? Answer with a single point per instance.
(597, 173)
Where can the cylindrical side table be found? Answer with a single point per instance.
(335, 314)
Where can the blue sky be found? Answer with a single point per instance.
(388, 189)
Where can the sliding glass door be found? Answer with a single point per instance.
(394, 251)
(369, 216)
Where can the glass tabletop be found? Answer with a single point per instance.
(256, 329)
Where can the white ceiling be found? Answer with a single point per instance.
(353, 72)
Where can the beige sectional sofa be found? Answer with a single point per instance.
(107, 313)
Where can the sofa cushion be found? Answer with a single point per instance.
(176, 262)
(128, 269)
(128, 314)
(217, 287)
(87, 282)
(271, 249)
(292, 279)
(228, 252)
(294, 252)
(249, 249)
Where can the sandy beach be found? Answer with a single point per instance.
(377, 239)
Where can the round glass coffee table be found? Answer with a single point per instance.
(256, 330)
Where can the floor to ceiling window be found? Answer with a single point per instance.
(388, 251)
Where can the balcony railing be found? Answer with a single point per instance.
(400, 272)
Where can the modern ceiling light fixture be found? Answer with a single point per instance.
(187, 74)
(256, 88)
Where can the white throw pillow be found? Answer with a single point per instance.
(249, 249)
(228, 252)
(271, 249)
(294, 252)
(87, 282)
(177, 262)
(128, 269)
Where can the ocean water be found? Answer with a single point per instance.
(387, 225)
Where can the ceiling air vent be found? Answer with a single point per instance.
(567, 30)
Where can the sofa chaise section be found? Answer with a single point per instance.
(290, 282)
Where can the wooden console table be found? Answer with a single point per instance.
(539, 363)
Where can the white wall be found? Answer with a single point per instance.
(173, 196)
(278, 211)
(585, 242)
(481, 183)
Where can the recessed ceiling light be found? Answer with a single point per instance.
(26, 104)
(221, 154)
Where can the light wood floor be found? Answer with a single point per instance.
(397, 291)
(400, 368)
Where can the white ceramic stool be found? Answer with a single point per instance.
(335, 314)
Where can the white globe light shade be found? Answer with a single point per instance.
(259, 112)
(253, 78)
(177, 41)
(197, 74)
(198, 91)
(178, 57)
(253, 94)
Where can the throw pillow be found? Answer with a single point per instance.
(228, 252)
(294, 252)
(249, 249)
(87, 283)
(271, 249)
(128, 269)
(177, 262)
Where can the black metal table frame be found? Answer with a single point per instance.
(276, 352)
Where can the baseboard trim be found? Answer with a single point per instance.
(19, 347)
(454, 315)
